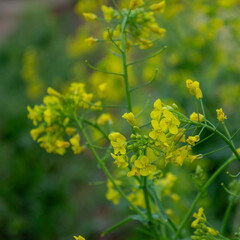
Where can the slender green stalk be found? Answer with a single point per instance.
(103, 71)
(124, 63)
(206, 185)
(152, 224)
(222, 136)
(116, 226)
(226, 215)
(104, 168)
(151, 56)
(228, 133)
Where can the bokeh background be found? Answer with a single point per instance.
(44, 196)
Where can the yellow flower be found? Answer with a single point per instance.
(157, 112)
(102, 90)
(90, 16)
(97, 106)
(91, 41)
(194, 88)
(118, 142)
(156, 29)
(193, 139)
(158, 130)
(36, 132)
(135, 3)
(108, 13)
(75, 144)
(53, 92)
(196, 117)
(48, 116)
(112, 194)
(144, 166)
(171, 122)
(145, 43)
(130, 118)
(35, 114)
(158, 7)
(70, 131)
(200, 216)
(220, 115)
(87, 97)
(79, 238)
(104, 118)
(120, 160)
(212, 231)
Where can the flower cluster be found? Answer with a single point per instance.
(202, 230)
(194, 88)
(140, 23)
(55, 118)
(220, 115)
(162, 140)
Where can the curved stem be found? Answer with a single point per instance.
(104, 168)
(206, 185)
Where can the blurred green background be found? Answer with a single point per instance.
(44, 196)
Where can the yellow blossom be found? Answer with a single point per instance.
(48, 116)
(112, 194)
(135, 3)
(36, 132)
(158, 130)
(75, 144)
(194, 88)
(144, 166)
(87, 97)
(118, 142)
(79, 238)
(91, 41)
(158, 7)
(145, 43)
(70, 131)
(97, 106)
(196, 117)
(157, 112)
(102, 88)
(220, 115)
(120, 160)
(90, 16)
(171, 122)
(159, 31)
(200, 216)
(130, 118)
(193, 139)
(53, 92)
(104, 118)
(108, 13)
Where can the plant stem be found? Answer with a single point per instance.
(104, 168)
(152, 224)
(206, 185)
(226, 215)
(224, 138)
(124, 63)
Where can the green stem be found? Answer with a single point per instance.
(228, 133)
(206, 185)
(124, 63)
(104, 168)
(223, 137)
(152, 224)
(226, 215)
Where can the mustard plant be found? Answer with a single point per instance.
(141, 155)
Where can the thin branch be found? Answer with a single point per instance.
(99, 70)
(146, 84)
(146, 58)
